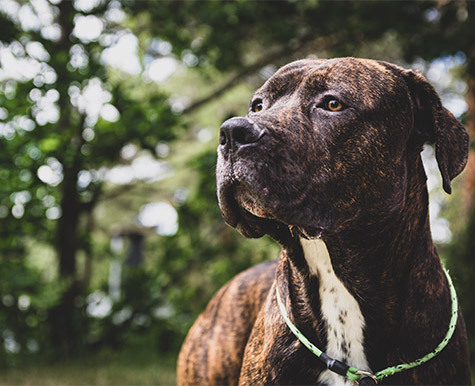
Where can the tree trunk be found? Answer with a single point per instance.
(65, 333)
(65, 319)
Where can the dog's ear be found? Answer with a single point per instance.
(437, 125)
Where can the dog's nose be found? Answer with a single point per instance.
(237, 132)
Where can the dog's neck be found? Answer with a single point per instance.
(356, 280)
(376, 252)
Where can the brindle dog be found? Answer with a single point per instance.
(328, 163)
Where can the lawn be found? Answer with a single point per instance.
(94, 371)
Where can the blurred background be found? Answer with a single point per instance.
(111, 238)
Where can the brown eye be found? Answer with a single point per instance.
(334, 105)
(256, 106)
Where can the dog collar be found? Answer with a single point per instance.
(365, 377)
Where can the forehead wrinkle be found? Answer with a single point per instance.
(318, 77)
(367, 73)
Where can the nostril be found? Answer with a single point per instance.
(222, 137)
(240, 136)
(237, 132)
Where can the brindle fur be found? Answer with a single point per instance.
(356, 180)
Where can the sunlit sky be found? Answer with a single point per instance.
(121, 52)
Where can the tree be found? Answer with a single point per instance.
(59, 140)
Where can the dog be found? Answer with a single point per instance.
(327, 162)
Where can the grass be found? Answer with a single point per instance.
(99, 370)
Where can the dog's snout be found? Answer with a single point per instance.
(237, 132)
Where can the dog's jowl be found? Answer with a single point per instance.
(328, 163)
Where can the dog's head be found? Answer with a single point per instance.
(326, 141)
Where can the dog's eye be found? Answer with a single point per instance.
(256, 106)
(334, 105)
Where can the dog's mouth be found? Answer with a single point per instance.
(243, 211)
(251, 204)
(247, 213)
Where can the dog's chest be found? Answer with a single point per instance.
(339, 309)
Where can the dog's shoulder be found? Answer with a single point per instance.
(213, 350)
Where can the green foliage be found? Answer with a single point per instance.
(43, 196)
(208, 29)
(462, 265)
(8, 29)
(26, 300)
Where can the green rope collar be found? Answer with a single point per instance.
(356, 375)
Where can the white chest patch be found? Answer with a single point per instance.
(341, 312)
